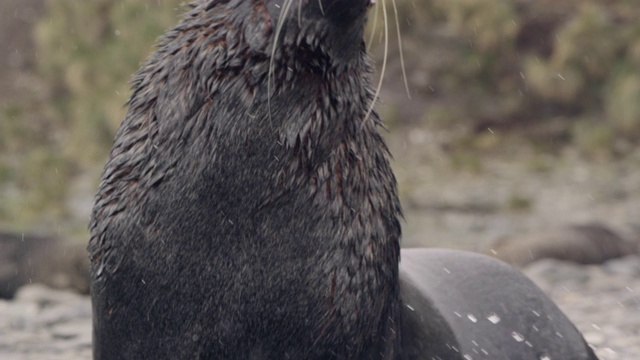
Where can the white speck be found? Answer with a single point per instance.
(472, 318)
(560, 76)
(467, 357)
(411, 308)
(446, 270)
(494, 318)
(517, 336)
(545, 357)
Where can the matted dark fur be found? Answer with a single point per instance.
(248, 209)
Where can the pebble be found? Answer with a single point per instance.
(45, 324)
(603, 301)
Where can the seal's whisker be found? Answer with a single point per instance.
(270, 74)
(402, 66)
(384, 64)
(374, 27)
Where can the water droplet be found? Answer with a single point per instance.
(517, 336)
(494, 318)
(472, 318)
(545, 357)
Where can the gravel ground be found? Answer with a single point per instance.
(603, 301)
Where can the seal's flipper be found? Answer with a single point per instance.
(462, 305)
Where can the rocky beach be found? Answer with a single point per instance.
(41, 323)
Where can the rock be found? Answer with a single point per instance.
(42, 323)
(27, 259)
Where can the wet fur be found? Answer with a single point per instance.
(246, 210)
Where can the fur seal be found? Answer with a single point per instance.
(463, 305)
(248, 209)
(592, 243)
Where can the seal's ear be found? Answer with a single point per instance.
(458, 303)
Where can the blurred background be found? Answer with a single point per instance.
(518, 137)
(521, 116)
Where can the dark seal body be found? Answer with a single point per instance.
(460, 305)
(591, 243)
(248, 209)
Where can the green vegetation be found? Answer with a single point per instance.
(560, 73)
(86, 53)
(551, 71)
